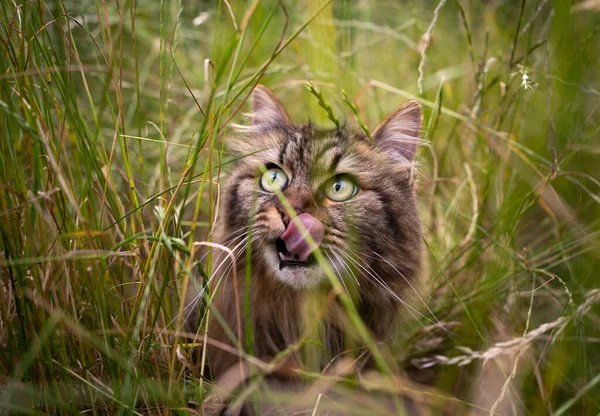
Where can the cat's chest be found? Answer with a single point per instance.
(287, 319)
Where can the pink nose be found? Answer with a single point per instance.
(295, 238)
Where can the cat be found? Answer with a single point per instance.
(298, 191)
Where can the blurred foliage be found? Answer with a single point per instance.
(112, 118)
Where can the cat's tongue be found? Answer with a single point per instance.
(294, 237)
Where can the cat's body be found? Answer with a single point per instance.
(356, 200)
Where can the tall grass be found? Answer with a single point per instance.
(112, 123)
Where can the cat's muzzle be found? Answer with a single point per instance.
(294, 247)
(287, 259)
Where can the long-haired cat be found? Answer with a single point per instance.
(296, 189)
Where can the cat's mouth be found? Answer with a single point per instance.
(287, 259)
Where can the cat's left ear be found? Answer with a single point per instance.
(398, 134)
(267, 110)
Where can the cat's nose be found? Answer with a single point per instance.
(285, 215)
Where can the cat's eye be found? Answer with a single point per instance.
(273, 179)
(340, 188)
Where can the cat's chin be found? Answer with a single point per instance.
(296, 274)
(299, 277)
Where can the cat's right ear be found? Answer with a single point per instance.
(267, 114)
(267, 110)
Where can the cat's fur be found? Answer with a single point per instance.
(373, 241)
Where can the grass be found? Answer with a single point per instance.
(112, 119)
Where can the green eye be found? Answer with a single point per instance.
(340, 188)
(273, 180)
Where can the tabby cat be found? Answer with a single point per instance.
(299, 187)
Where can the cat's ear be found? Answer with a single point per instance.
(267, 110)
(398, 134)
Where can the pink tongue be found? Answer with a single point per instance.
(294, 239)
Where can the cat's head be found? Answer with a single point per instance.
(354, 196)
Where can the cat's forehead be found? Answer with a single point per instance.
(319, 149)
(308, 151)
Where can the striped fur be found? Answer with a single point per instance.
(373, 241)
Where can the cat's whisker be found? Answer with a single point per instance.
(239, 230)
(435, 321)
(239, 254)
(374, 275)
(242, 242)
(240, 233)
(235, 234)
(395, 269)
(409, 283)
(344, 263)
(192, 304)
(227, 244)
(340, 277)
(385, 286)
(348, 266)
(222, 262)
(334, 241)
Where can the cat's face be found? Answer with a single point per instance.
(353, 197)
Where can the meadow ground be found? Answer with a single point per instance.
(112, 119)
